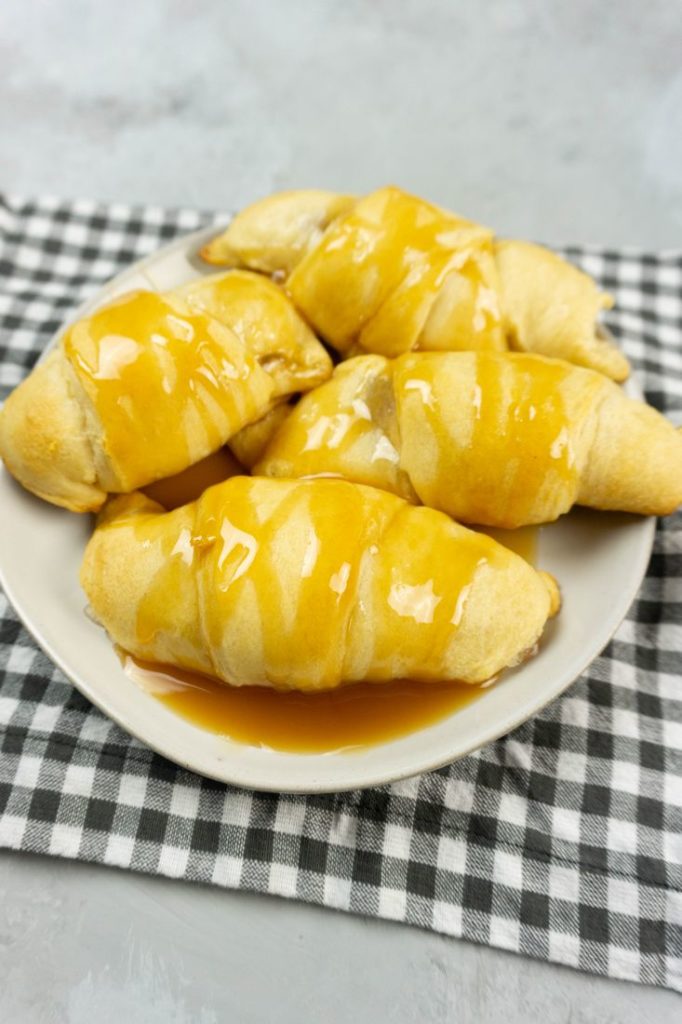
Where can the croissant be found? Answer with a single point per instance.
(498, 439)
(390, 273)
(149, 385)
(309, 584)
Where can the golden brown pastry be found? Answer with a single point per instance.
(274, 234)
(151, 384)
(346, 428)
(139, 390)
(309, 584)
(261, 315)
(386, 273)
(498, 439)
(390, 273)
(552, 307)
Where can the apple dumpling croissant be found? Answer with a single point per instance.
(151, 384)
(498, 439)
(390, 273)
(309, 584)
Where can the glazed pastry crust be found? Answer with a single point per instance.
(140, 390)
(354, 289)
(264, 319)
(65, 441)
(310, 584)
(346, 428)
(497, 439)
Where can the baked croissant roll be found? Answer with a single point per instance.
(137, 391)
(386, 273)
(149, 385)
(309, 584)
(390, 273)
(498, 439)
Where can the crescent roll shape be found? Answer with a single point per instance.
(499, 439)
(390, 273)
(309, 584)
(385, 274)
(151, 384)
(139, 390)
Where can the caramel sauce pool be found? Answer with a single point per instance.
(349, 717)
(305, 723)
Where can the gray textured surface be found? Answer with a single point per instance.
(560, 122)
(90, 945)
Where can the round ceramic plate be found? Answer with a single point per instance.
(599, 560)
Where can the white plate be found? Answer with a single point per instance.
(599, 560)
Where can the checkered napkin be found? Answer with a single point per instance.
(561, 840)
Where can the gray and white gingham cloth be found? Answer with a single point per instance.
(562, 840)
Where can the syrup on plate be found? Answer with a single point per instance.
(357, 715)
